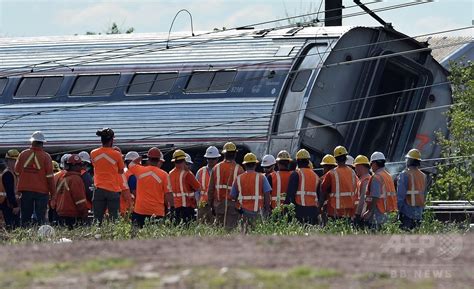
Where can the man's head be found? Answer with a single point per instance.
(362, 165)
(302, 158)
(212, 156)
(340, 153)
(328, 163)
(130, 157)
(10, 157)
(106, 136)
(250, 161)
(377, 161)
(283, 160)
(268, 163)
(155, 157)
(413, 158)
(230, 151)
(74, 163)
(37, 139)
(179, 159)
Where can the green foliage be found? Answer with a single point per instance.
(113, 29)
(454, 180)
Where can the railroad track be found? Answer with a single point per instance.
(452, 211)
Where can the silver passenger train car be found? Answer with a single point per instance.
(266, 90)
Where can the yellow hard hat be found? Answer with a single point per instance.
(250, 158)
(178, 155)
(361, 160)
(283, 156)
(414, 154)
(229, 147)
(340, 151)
(302, 154)
(329, 160)
(56, 167)
(12, 154)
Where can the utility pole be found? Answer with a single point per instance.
(333, 14)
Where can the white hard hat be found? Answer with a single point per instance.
(37, 136)
(64, 159)
(212, 153)
(46, 231)
(131, 156)
(377, 156)
(349, 160)
(268, 160)
(188, 159)
(85, 157)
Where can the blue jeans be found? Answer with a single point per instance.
(33, 202)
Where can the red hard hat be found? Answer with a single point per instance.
(154, 153)
(74, 160)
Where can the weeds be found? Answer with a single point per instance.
(277, 224)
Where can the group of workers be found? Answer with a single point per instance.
(36, 189)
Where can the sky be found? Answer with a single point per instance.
(67, 17)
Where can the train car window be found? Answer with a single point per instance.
(49, 86)
(222, 80)
(301, 80)
(39, 86)
(84, 85)
(3, 84)
(106, 84)
(141, 83)
(200, 81)
(164, 82)
(95, 85)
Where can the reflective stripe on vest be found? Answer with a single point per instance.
(338, 194)
(150, 174)
(279, 194)
(255, 197)
(181, 189)
(302, 192)
(412, 192)
(106, 157)
(218, 180)
(30, 158)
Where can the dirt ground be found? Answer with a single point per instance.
(408, 261)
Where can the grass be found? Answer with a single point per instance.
(277, 224)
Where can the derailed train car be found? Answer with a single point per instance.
(266, 90)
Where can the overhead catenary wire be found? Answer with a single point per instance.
(59, 65)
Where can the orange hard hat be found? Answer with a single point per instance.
(154, 153)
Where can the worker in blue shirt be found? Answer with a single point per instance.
(411, 192)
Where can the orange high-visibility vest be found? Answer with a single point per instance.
(416, 187)
(225, 173)
(361, 190)
(183, 186)
(250, 187)
(388, 198)
(280, 180)
(203, 177)
(343, 188)
(307, 195)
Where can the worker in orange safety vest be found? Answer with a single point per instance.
(185, 187)
(362, 168)
(381, 196)
(71, 194)
(279, 179)
(221, 180)
(203, 175)
(411, 192)
(153, 191)
(339, 187)
(252, 192)
(302, 190)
